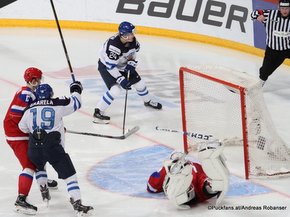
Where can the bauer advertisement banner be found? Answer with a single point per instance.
(219, 18)
(4, 3)
(224, 19)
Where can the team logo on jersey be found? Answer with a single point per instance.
(113, 56)
(114, 49)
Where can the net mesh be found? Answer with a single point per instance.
(212, 110)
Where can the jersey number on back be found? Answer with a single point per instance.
(47, 118)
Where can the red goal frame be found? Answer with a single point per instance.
(239, 90)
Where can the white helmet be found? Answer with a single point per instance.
(178, 182)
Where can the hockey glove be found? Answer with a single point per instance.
(131, 66)
(125, 84)
(76, 87)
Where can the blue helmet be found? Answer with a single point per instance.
(44, 91)
(125, 28)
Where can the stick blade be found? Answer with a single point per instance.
(131, 131)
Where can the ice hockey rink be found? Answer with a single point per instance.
(113, 173)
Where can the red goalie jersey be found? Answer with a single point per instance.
(199, 183)
(21, 100)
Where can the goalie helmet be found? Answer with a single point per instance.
(178, 182)
(126, 28)
(44, 91)
(32, 73)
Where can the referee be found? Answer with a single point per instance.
(277, 24)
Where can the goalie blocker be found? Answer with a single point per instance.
(186, 183)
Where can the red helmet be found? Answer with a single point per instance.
(32, 73)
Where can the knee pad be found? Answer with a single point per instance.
(115, 91)
(140, 85)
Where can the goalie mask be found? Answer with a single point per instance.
(178, 182)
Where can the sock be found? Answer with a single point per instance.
(108, 98)
(142, 91)
(73, 187)
(25, 181)
(41, 177)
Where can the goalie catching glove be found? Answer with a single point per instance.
(76, 87)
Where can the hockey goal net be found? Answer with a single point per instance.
(219, 103)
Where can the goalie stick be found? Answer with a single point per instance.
(124, 136)
(234, 141)
(196, 135)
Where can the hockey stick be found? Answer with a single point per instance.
(196, 135)
(63, 43)
(125, 108)
(124, 136)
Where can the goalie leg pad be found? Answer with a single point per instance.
(214, 166)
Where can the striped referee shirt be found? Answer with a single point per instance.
(277, 29)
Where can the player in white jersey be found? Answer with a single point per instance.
(117, 66)
(43, 120)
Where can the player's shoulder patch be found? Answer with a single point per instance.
(114, 49)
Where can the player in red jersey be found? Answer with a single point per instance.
(186, 183)
(18, 140)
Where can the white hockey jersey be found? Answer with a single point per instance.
(48, 114)
(115, 55)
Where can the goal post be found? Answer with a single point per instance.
(230, 106)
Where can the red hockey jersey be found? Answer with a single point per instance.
(23, 97)
(155, 182)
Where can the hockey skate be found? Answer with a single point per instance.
(152, 104)
(45, 193)
(22, 206)
(99, 118)
(80, 209)
(52, 184)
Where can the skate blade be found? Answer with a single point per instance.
(98, 121)
(53, 188)
(25, 211)
(46, 202)
(81, 214)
